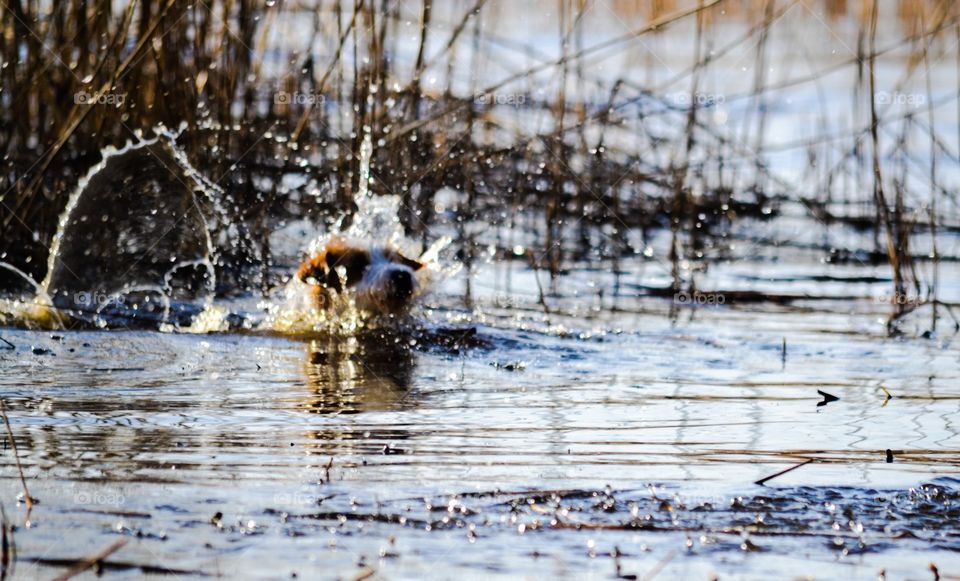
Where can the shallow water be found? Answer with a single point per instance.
(510, 443)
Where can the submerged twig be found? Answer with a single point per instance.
(16, 455)
(763, 481)
(326, 470)
(888, 394)
(85, 564)
(8, 549)
(660, 565)
(365, 573)
(541, 294)
(618, 567)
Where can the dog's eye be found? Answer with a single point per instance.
(353, 272)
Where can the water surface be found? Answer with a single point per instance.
(513, 443)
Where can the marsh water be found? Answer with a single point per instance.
(516, 425)
(512, 442)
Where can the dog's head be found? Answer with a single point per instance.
(383, 280)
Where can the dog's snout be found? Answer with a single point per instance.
(401, 281)
(380, 280)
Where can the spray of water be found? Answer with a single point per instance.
(132, 238)
(34, 310)
(375, 223)
(291, 310)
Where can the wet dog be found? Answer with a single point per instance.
(381, 279)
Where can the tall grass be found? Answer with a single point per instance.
(555, 161)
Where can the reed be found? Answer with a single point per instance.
(259, 104)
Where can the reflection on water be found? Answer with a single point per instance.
(372, 371)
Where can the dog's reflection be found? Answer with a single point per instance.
(371, 371)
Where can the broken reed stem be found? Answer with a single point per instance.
(880, 200)
(553, 244)
(681, 170)
(932, 287)
(16, 455)
(91, 561)
(759, 82)
(542, 296)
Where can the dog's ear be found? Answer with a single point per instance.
(322, 268)
(395, 256)
(354, 260)
(315, 268)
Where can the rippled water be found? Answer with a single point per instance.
(502, 444)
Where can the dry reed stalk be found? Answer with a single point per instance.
(883, 211)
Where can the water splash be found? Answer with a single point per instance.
(33, 310)
(133, 244)
(134, 247)
(376, 222)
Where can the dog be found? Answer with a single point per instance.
(381, 279)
